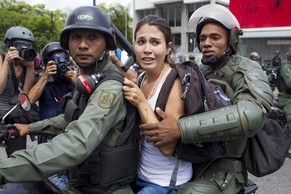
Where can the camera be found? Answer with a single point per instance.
(62, 62)
(26, 53)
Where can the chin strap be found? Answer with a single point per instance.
(101, 59)
(216, 59)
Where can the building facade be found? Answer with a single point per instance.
(263, 33)
(266, 25)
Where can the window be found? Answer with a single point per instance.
(193, 7)
(191, 42)
(172, 14)
(143, 13)
(176, 41)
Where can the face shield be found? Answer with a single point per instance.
(220, 14)
(215, 12)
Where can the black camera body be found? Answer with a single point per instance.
(62, 64)
(26, 53)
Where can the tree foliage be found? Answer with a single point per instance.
(46, 25)
(35, 18)
(120, 18)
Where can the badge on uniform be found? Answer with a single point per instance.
(106, 99)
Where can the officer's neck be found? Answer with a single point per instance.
(88, 71)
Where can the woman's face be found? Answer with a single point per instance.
(150, 47)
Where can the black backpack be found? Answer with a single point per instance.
(198, 98)
(266, 151)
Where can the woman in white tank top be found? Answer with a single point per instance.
(153, 48)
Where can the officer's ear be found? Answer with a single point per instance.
(86, 84)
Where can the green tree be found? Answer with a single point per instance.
(120, 18)
(46, 25)
(13, 13)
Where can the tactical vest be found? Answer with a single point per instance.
(106, 167)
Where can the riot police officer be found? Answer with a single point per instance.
(276, 61)
(91, 123)
(255, 57)
(284, 86)
(217, 35)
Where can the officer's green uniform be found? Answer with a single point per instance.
(251, 96)
(284, 96)
(100, 124)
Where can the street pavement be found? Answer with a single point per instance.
(278, 182)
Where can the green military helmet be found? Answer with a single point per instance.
(89, 17)
(219, 14)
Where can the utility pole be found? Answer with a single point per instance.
(52, 20)
(94, 2)
(52, 25)
(125, 21)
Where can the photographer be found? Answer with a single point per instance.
(57, 80)
(17, 73)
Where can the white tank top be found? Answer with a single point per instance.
(156, 168)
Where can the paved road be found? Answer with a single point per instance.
(277, 183)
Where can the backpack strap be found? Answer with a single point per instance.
(201, 83)
(166, 90)
(130, 131)
(174, 176)
(184, 71)
(112, 75)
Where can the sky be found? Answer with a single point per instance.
(68, 5)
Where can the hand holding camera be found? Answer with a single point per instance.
(62, 62)
(51, 69)
(12, 54)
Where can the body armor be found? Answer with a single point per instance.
(239, 121)
(99, 171)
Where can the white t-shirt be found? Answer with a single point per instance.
(156, 168)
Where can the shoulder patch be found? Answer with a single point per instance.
(106, 99)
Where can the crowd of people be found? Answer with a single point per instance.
(82, 129)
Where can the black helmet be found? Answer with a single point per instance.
(89, 17)
(50, 49)
(219, 14)
(18, 33)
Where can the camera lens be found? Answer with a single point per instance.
(62, 67)
(27, 54)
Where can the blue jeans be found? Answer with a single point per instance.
(151, 188)
(59, 180)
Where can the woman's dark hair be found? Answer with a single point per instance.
(163, 26)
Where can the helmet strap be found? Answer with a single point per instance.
(101, 59)
(216, 59)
